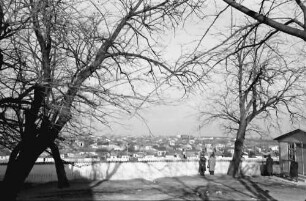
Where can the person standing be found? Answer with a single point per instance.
(184, 154)
(202, 163)
(269, 165)
(212, 163)
(294, 166)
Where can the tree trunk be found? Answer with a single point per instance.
(233, 169)
(33, 142)
(12, 158)
(20, 167)
(235, 163)
(60, 168)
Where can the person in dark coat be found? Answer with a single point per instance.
(269, 165)
(294, 166)
(202, 163)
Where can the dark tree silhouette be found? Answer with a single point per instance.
(69, 59)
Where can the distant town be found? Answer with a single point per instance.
(150, 148)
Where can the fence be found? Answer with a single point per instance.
(149, 170)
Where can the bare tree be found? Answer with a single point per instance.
(260, 82)
(13, 20)
(267, 19)
(73, 57)
(291, 21)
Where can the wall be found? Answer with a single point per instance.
(132, 170)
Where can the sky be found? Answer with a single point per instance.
(181, 117)
(167, 120)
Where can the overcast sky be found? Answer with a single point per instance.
(167, 120)
(181, 117)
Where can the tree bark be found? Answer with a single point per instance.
(268, 21)
(233, 169)
(20, 167)
(13, 157)
(21, 162)
(235, 163)
(60, 168)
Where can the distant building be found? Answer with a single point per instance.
(136, 147)
(102, 145)
(125, 157)
(161, 153)
(70, 154)
(109, 146)
(206, 138)
(219, 146)
(208, 146)
(94, 145)
(185, 137)
(138, 154)
(148, 147)
(188, 147)
(80, 143)
(172, 143)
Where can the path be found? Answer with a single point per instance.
(219, 187)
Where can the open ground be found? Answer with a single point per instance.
(210, 187)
